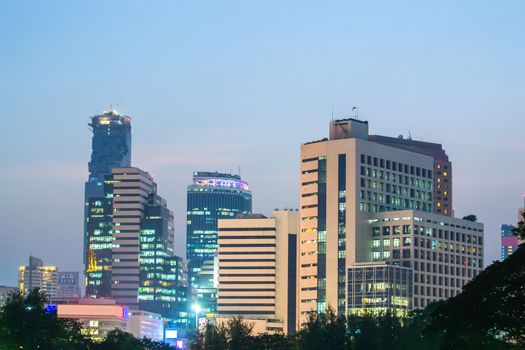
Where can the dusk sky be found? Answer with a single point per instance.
(220, 85)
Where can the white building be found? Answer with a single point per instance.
(257, 270)
(352, 179)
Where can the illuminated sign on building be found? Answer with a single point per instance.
(212, 182)
(171, 334)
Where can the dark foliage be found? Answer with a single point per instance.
(489, 313)
(25, 324)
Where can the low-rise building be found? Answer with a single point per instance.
(145, 324)
(98, 317)
(378, 288)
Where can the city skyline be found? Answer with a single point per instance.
(473, 101)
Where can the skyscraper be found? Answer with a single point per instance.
(212, 196)
(38, 275)
(132, 258)
(163, 276)
(111, 148)
(372, 198)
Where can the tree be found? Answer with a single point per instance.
(490, 312)
(411, 335)
(520, 229)
(213, 338)
(238, 333)
(119, 340)
(274, 341)
(26, 324)
(471, 217)
(326, 330)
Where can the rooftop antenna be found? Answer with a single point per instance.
(332, 113)
(355, 109)
(239, 171)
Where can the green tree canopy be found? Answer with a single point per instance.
(489, 313)
(25, 324)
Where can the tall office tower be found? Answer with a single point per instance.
(509, 242)
(111, 148)
(212, 196)
(38, 275)
(347, 181)
(257, 270)
(68, 285)
(163, 276)
(137, 249)
(442, 193)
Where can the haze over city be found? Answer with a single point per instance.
(236, 86)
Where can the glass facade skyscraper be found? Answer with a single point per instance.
(131, 248)
(212, 196)
(111, 148)
(163, 285)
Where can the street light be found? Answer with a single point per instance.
(197, 308)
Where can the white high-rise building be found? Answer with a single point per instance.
(352, 181)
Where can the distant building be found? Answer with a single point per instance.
(146, 324)
(509, 242)
(5, 291)
(212, 196)
(132, 257)
(98, 317)
(257, 270)
(68, 285)
(38, 275)
(111, 148)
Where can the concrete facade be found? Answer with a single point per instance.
(352, 179)
(257, 270)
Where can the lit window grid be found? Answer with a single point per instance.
(429, 247)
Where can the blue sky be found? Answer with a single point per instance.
(222, 85)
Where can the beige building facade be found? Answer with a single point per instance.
(444, 253)
(257, 270)
(131, 188)
(347, 181)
